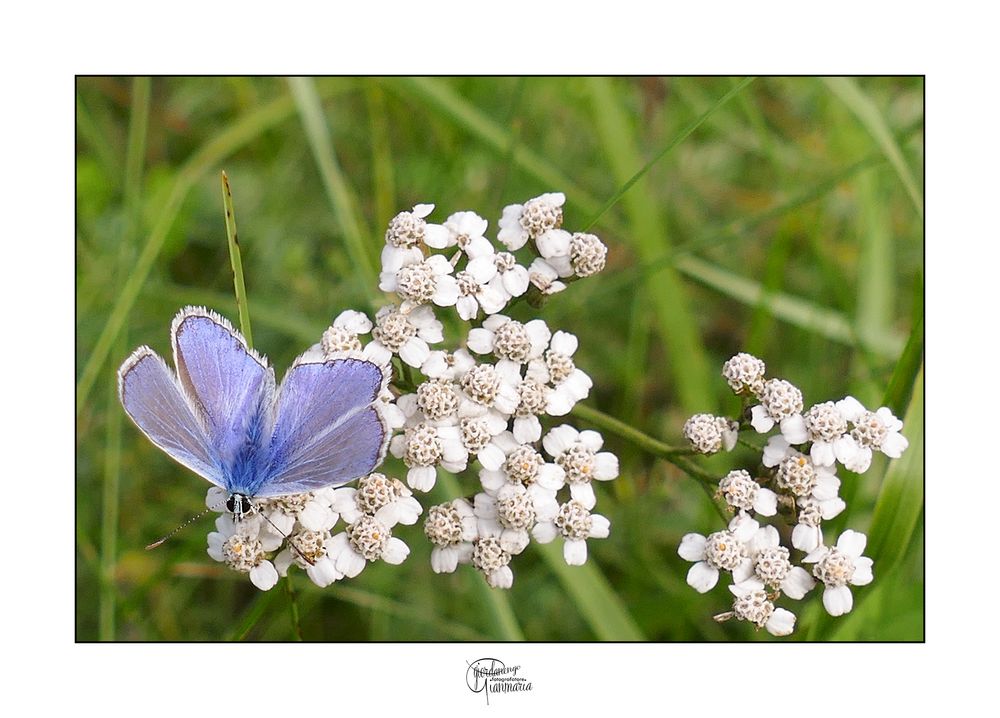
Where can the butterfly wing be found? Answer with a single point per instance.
(328, 427)
(230, 386)
(152, 398)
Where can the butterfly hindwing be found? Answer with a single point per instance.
(328, 429)
(153, 399)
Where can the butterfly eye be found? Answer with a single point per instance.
(231, 504)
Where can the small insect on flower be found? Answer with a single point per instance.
(223, 417)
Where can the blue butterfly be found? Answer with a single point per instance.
(222, 417)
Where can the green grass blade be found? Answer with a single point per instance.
(601, 86)
(338, 191)
(266, 314)
(383, 172)
(897, 395)
(592, 596)
(901, 498)
(210, 154)
(381, 604)
(438, 95)
(253, 615)
(647, 233)
(876, 266)
(869, 115)
(109, 515)
(235, 258)
(799, 312)
(135, 155)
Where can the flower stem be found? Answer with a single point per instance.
(672, 454)
(236, 260)
(294, 605)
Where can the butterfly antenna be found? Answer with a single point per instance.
(281, 533)
(183, 525)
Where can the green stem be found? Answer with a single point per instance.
(234, 256)
(620, 428)
(293, 604)
(672, 454)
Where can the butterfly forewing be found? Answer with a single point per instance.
(229, 385)
(328, 429)
(152, 398)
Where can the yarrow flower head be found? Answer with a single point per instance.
(753, 604)
(480, 405)
(799, 489)
(521, 222)
(579, 455)
(839, 566)
(745, 373)
(451, 528)
(725, 550)
(575, 523)
(708, 434)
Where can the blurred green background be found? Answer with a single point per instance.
(784, 217)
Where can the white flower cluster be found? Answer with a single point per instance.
(797, 481)
(304, 524)
(481, 402)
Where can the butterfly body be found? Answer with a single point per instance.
(222, 416)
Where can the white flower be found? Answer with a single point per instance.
(873, 430)
(575, 524)
(490, 558)
(513, 512)
(743, 493)
(521, 222)
(723, 550)
(752, 604)
(839, 566)
(388, 500)
(533, 398)
(807, 534)
(341, 338)
(428, 280)
(510, 340)
(708, 434)
(406, 233)
(776, 450)
(770, 565)
(744, 372)
(438, 401)
(422, 447)
(486, 437)
(780, 402)
(477, 288)
(576, 452)
(824, 425)
(522, 464)
(554, 245)
(239, 546)
(366, 539)
(545, 277)
(447, 365)
(556, 368)
(587, 254)
(511, 279)
(464, 230)
(489, 389)
(308, 549)
(312, 511)
(404, 333)
(451, 528)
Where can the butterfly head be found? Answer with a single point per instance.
(239, 505)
